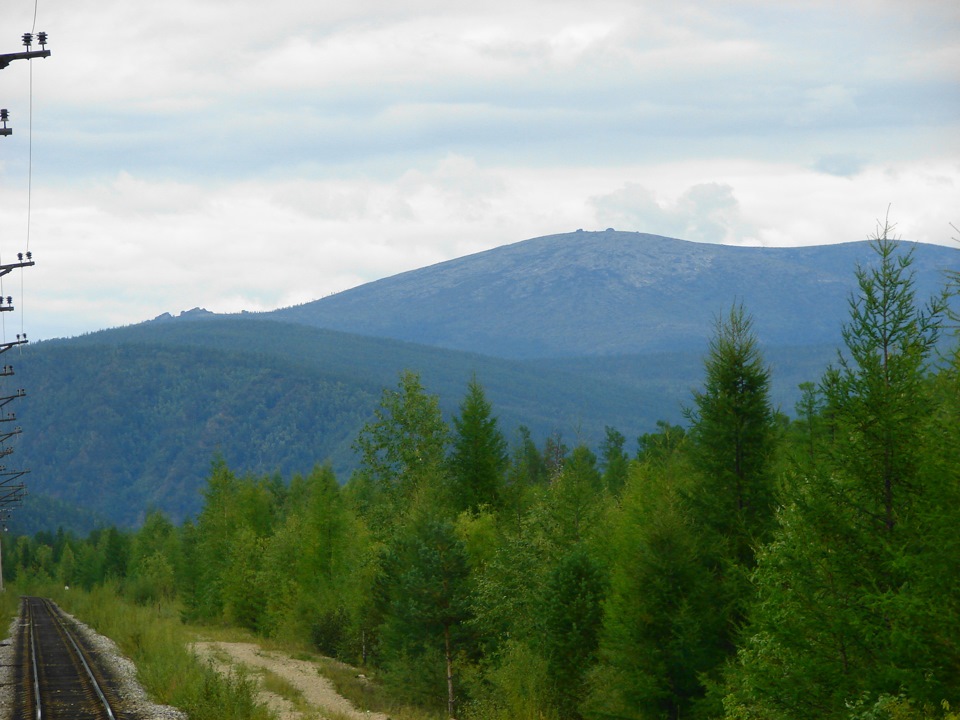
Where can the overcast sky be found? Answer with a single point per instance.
(240, 155)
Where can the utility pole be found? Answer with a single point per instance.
(12, 488)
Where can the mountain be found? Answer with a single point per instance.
(611, 293)
(124, 420)
(591, 330)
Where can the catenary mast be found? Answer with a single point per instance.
(12, 488)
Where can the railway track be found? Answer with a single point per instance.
(58, 678)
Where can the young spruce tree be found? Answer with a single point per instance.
(478, 459)
(732, 440)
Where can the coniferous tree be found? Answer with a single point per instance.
(68, 566)
(728, 504)
(572, 621)
(426, 573)
(660, 446)
(318, 566)
(478, 457)
(243, 593)
(114, 548)
(877, 394)
(574, 501)
(848, 610)
(660, 619)
(233, 506)
(614, 460)
(554, 455)
(525, 472)
(422, 589)
(732, 437)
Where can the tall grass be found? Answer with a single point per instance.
(155, 640)
(9, 608)
(369, 694)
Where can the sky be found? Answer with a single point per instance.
(239, 155)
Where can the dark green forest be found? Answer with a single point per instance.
(127, 420)
(743, 564)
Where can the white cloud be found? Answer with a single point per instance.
(241, 155)
(706, 212)
(825, 104)
(258, 245)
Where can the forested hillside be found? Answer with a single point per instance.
(125, 420)
(120, 429)
(128, 420)
(745, 567)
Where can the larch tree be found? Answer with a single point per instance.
(614, 460)
(732, 436)
(876, 397)
(574, 500)
(856, 588)
(478, 458)
(573, 615)
(660, 605)
(525, 472)
(728, 501)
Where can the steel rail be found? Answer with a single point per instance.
(33, 658)
(67, 635)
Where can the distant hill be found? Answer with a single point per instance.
(611, 293)
(125, 420)
(591, 330)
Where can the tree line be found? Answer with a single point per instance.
(743, 566)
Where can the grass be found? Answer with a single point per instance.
(9, 608)
(367, 694)
(156, 641)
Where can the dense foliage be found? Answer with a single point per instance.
(126, 420)
(747, 566)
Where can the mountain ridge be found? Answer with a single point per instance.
(608, 293)
(125, 419)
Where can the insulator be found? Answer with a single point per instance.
(42, 38)
(27, 40)
(4, 115)
(19, 255)
(9, 300)
(29, 255)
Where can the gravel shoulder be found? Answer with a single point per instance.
(124, 672)
(317, 691)
(319, 695)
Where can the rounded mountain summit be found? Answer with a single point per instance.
(611, 293)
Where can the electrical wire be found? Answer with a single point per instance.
(30, 156)
(33, 29)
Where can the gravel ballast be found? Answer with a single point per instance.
(122, 669)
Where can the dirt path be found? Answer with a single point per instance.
(317, 690)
